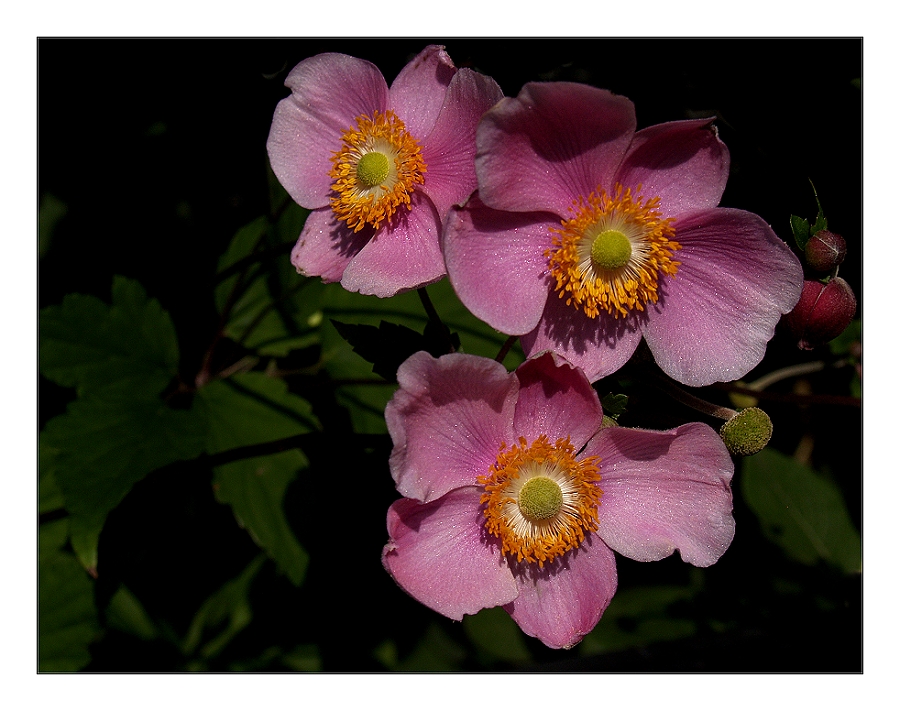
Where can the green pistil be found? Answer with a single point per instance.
(747, 432)
(372, 169)
(540, 498)
(611, 249)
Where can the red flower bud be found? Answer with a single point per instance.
(825, 250)
(823, 312)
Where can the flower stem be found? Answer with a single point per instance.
(435, 319)
(505, 348)
(686, 398)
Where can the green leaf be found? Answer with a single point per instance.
(639, 616)
(800, 229)
(126, 614)
(222, 616)
(800, 511)
(264, 294)
(821, 223)
(252, 408)
(67, 617)
(51, 211)
(614, 405)
(129, 347)
(495, 633)
(435, 652)
(100, 448)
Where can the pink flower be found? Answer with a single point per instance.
(586, 236)
(515, 496)
(378, 167)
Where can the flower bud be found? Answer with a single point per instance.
(825, 250)
(823, 312)
(747, 432)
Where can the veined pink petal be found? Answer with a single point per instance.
(437, 554)
(735, 281)
(496, 264)
(555, 142)
(404, 254)
(326, 246)
(564, 602)
(556, 399)
(448, 421)
(328, 92)
(599, 346)
(449, 150)
(417, 94)
(665, 490)
(682, 162)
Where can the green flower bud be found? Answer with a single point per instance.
(747, 432)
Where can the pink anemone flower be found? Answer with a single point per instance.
(516, 495)
(378, 167)
(586, 236)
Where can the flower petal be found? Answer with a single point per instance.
(404, 254)
(418, 92)
(326, 246)
(563, 602)
(556, 399)
(682, 162)
(448, 421)
(449, 150)
(599, 346)
(720, 310)
(328, 92)
(496, 264)
(665, 490)
(555, 142)
(437, 554)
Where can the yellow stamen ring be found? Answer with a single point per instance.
(375, 171)
(539, 501)
(610, 255)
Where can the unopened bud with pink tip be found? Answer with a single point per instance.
(823, 312)
(825, 250)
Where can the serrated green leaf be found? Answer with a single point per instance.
(494, 632)
(67, 617)
(100, 448)
(800, 511)
(128, 347)
(252, 408)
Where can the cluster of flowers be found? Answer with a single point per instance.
(557, 221)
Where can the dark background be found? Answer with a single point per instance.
(157, 149)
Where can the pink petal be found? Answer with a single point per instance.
(437, 554)
(417, 93)
(328, 92)
(599, 346)
(553, 143)
(448, 421)
(556, 399)
(564, 602)
(665, 490)
(326, 246)
(449, 150)
(404, 254)
(495, 262)
(682, 162)
(720, 310)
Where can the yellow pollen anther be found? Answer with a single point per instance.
(375, 171)
(539, 500)
(612, 254)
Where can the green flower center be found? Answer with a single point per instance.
(611, 249)
(540, 498)
(372, 169)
